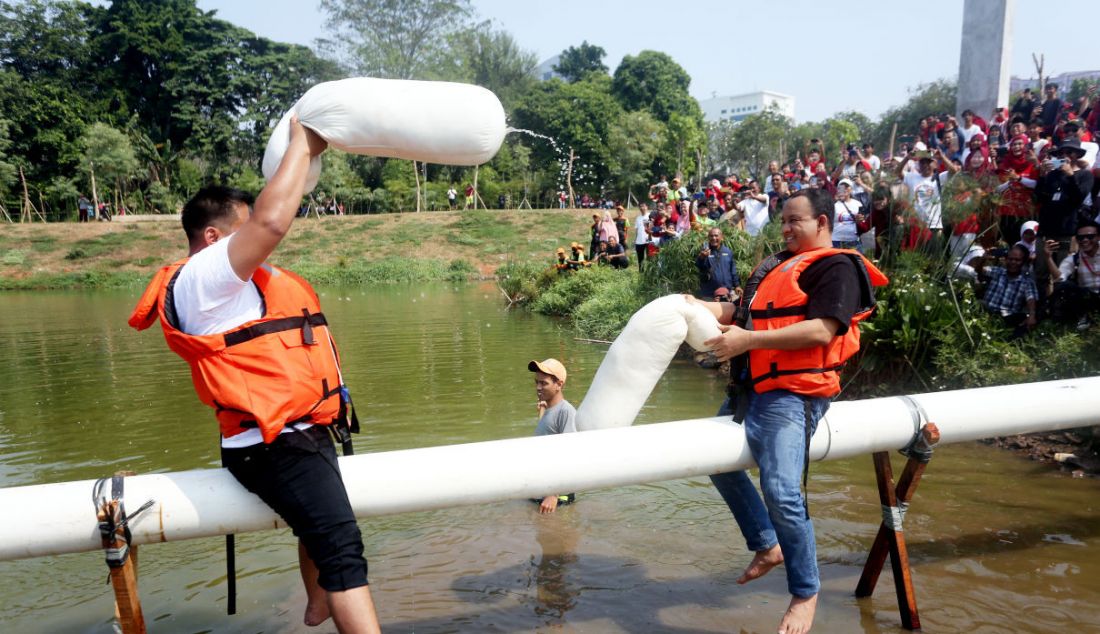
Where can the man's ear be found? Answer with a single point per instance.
(210, 235)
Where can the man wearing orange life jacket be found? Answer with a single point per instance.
(261, 354)
(800, 324)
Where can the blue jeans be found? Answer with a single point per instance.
(775, 428)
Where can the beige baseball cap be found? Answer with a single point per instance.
(553, 367)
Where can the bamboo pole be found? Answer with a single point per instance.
(476, 195)
(416, 174)
(569, 180)
(95, 192)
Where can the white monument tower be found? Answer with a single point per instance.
(985, 56)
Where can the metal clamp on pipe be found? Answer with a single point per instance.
(920, 447)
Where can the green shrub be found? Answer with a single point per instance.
(605, 313)
(14, 257)
(572, 290)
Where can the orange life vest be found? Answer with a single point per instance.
(280, 369)
(779, 302)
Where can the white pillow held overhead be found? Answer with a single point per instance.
(430, 121)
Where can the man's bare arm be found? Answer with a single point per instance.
(277, 204)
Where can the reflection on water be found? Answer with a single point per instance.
(997, 544)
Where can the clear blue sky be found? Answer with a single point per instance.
(831, 56)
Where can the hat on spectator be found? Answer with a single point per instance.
(1030, 225)
(560, 251)
(1072, 123)
(553, 367)
(919, 146)
(575, 245)
(845, 181)
(922, 155)
(1072, 145)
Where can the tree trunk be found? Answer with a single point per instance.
(569, 180)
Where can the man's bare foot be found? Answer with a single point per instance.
(316, 613)
(800, 615)
(761, 563)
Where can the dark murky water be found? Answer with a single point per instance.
(998, 544)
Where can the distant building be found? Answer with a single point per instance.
(1064, 81)
(545, 70)
(737, 107)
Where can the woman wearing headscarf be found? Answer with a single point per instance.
(1017, 172)
(607, 228)
(972, 193)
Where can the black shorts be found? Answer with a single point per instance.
(298, 477)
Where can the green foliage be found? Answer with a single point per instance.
(604, 314)
(385, 271)
(398, 39)
(109, 152)
(756, 140)
(634, 142)
(578, 62)
(493, 60)
(579, 116)
(14, 257)
(524, 281)
(573, 290)
(931, 98)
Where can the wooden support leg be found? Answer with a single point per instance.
(891, 537)
(124, 579)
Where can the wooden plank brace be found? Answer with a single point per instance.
(891, 536)
(120, 555)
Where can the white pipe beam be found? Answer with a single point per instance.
(59, 518)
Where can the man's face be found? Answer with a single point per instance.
(754, 187)
(800, 228)
(773, 167)
(968, 119)
(777, 180)
(1051, 91)
(1017, 128)
(612, 241)
(1014, 261)
(714, 238)
(1087, 240)
(926, 167)
(547, 387)
(1017, 147)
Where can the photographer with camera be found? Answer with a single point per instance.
(1061, 192)
(717, 267)
(1077, 288)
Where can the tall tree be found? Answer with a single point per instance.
(397, 39)
(493, 60)
(634, 141)
(653, 81)
(578, 116)
(577, 62)
(757, 139)
(932, 98)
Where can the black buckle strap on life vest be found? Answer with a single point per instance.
(774, 372)
(305, 323)
(771, 311)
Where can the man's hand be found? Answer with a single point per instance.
(549, 504)
(732, 342)
(314, 142)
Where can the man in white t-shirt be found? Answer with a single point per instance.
(754, 209)
(925, 187)
(291, 465)
(969, 128)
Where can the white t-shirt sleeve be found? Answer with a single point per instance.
(209, 297)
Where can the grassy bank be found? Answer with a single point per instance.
(382, 248)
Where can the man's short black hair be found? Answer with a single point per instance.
(210, 205)
(1085, 224)
(1052, 86)
(1024, 252)
(821, 203)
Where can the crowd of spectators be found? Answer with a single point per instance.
(1010, 201)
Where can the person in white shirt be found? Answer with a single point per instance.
(641, 234)
(754, 209)
(925, 187)
(847, 218)
(1072, 130)
(969, 128)
(295, 472)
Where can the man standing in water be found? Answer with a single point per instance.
(261, 354)
(556, 415)
(803, 305)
